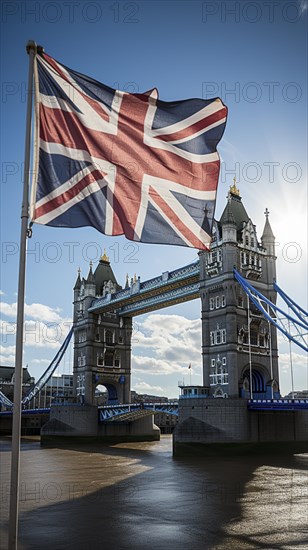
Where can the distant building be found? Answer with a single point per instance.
(146, 398)
(7, 379)
(58, 388)
(303, 394)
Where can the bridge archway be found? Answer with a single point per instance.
(114, 386)
(259, 382)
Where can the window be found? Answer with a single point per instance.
(213, 362)
(212, 302)
(218, 337)
(109, 337)
(223, 301)
(253, 336)
(240, 301)
(247, 240)
(81, 360)
(217, 302)
(252, 242)
(219, 374)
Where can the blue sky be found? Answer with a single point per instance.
(254, 56)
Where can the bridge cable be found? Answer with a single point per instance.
(270, 313)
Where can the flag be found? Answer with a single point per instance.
(189, 366)
(124, 163)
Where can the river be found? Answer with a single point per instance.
(136, 496)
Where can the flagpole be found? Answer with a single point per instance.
(16, 429)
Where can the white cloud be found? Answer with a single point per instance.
(7, 350)
(156, 367)
(7, 355)
(166, 344)
(44, 326)
(2, 293)
(144, 387)
(36, 333)
(40, 312)
(7, 359)
(298, 361)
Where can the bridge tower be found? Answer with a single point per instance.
(233, 355)
(102, 351)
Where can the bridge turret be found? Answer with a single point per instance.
(102, 353)
(228, 223)
(90, 289)
(225, 338)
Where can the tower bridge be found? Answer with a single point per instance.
(236, 283)
(232, 365)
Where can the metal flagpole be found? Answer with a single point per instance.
(15, 460)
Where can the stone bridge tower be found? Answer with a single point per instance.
(102, 352)
(226, 353)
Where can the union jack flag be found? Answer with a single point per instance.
(124, 163)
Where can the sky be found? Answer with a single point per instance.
(251, 54)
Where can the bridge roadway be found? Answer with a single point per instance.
(168, 289)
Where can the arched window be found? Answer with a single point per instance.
(109, 337)
(253, 336)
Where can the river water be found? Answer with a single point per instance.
(136, 496)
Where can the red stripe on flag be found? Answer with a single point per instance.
(69, 194)
(172, 216)
(196, 127)
(66, 129)
(94, 104)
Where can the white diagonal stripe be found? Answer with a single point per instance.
(86, 192)
(214, 107)
(84, 111)
(164, 188)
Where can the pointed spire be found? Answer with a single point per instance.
(267, 231)
(90, 278)
(127, 281)
(228, 217)
(78, 280)
(268, 238)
